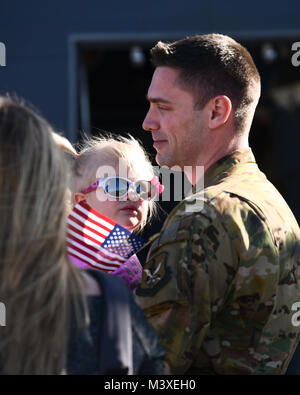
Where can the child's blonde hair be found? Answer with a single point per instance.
(110, 147)
(64, 143)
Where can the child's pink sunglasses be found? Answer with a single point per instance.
(118, 187)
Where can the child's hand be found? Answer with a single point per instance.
(130, 273)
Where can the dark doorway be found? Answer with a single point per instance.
(275, 132)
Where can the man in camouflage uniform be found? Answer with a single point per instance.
(220, 281)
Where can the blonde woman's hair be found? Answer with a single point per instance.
(107, 147)
(39, 286)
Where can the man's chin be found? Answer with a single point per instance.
(161, 160)
(164, 161)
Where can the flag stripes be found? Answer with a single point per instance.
(87, 231)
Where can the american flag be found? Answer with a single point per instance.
(97, 241)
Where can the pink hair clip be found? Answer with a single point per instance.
(157, 184)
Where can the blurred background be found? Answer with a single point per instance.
(85, 66)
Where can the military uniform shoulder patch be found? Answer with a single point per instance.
(156, 274)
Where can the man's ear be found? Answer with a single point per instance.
(79, 196)
(220, 108)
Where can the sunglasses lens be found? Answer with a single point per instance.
(145, 190)
(116, 187)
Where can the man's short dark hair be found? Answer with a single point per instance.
(212, 65)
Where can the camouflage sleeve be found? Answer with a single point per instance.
(185, 282)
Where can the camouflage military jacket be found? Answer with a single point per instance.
(219, 283)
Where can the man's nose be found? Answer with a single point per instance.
(150, 124)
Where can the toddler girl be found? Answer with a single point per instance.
(114, 176)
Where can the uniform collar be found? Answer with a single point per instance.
(226, 165)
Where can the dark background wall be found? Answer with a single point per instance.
(36, 35)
